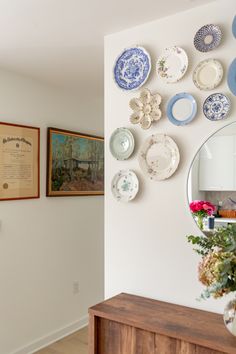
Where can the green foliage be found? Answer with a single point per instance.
(217, 269)
(223, 238)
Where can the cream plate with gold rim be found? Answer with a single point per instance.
(208, 74)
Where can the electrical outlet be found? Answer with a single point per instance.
(75, 287)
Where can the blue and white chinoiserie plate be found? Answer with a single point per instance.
(234, 27)
(216, 107)
(207, 38)
(208, 74)
(159, 157)
(125, 185)
(231, 77)
(122, 143)
(132, 68)
(172, 64)
(181, 109)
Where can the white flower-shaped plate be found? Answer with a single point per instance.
(125, 185)
(146, 108)
(159, 157)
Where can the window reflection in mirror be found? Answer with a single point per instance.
(212, 181)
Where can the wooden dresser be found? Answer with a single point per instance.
(128, 324)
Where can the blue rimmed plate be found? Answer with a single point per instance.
(234, 27)
(207, 38)
(216, 107)
(132, 68)
(181, 109)
(231, 77)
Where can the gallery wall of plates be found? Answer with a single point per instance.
(159, 154)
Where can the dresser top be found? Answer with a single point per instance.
(199, 327)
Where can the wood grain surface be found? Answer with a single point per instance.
(129, 324)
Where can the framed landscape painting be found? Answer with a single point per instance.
(75, 164)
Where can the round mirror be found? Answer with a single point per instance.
(212, 181)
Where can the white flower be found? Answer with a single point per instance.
(145, 109)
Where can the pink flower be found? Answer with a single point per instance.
(202, 207)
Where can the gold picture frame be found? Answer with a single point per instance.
(75, 164)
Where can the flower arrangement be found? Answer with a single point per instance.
(201, 209)
(217, 268)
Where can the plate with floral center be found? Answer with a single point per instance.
(207, 38)
(121, 143)
(159, 157)
(125, 185)
(208, 74)
(132, 68)
(216, 107)
(172, 64)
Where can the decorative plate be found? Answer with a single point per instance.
(234, 27)
(207, 38)
(172, 64)
(145, 109)
(231, 77)
(186, 110)
(122, 143)
(132, 68)
(159, 157)
(216, 106)
(125, 185)
(208, 74)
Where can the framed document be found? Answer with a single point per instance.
(19, 161)
(75, 164)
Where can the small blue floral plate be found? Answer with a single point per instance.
(132, 68)
(216, 106)
(125, 185)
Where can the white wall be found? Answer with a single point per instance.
(146, 251)
(47, 243)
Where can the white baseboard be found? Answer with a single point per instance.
(42, 342)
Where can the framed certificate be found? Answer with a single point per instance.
(19, 161)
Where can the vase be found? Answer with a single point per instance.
(230, 316)
(200, 222)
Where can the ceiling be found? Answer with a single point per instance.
(60, 42)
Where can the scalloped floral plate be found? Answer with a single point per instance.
(132, 68)
(172, 64)
(125, 185)
(159, 157)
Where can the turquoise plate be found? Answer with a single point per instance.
(231, 78)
